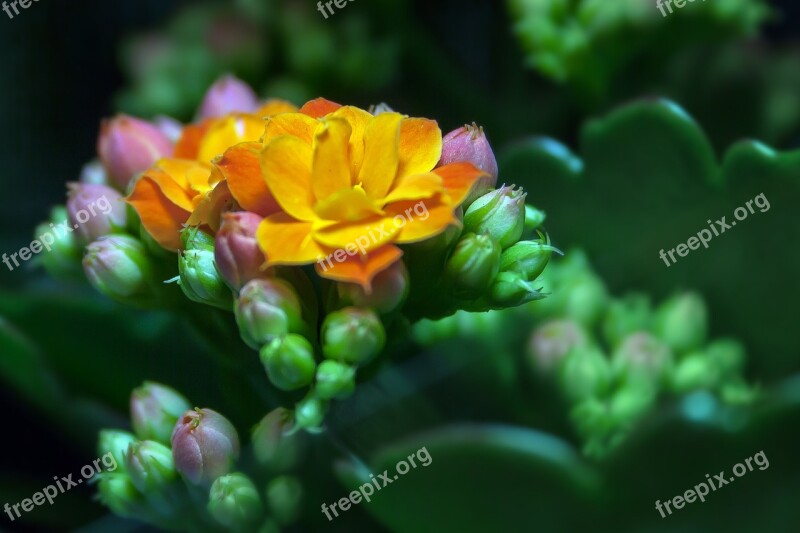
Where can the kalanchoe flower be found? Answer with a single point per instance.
(335, 380)
(528, 258)
(154, 410)
(274, 444)
(199, 278)
(682, 322)
(552, 341)
(389, 290)
(204, 445)
(284, 498)
(266, 309)
(118, 493)
(150, 465)
(289, 362)
(118, 267)
(469, 144)
(128, 146)
(236, 249)
(234, 503)
(228, 95)
(115, 442)
(473, 265)
(641, 356)
(352, 335)
(95, 211)
(499, 213)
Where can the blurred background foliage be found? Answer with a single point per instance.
(623, 125)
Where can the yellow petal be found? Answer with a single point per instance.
(294, 124)
(459, 179)
(226, 132)
(420, 146)
(330, 171)
(160, 216)
(381, 157)
(358, 120)
(211, 207)
(286, 166)
(365, 235)
(415, 187)
(275, 106)
(241, 168)
(286, 241)
(357, 268)
(347, 205)
(422, 219)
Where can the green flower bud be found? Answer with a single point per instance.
(728, 356)
(118, 493)
(118, 267)
(274, 444)
(389, 290)
(234, 503)
(62, 255)
(199, 278)
(284, 499)
(552, 341)
(738, 392)
(585, 299)
(695, 371)
(534, 218)
(115, 442)
(510, 289)
(310, 412)
(352, 335)
(154, 410)
(642, 356)
(473, 265)
(150, 465)
(335, 380)
(583, 373)
(500, 214)
(289, 362)
(630, 402)
(267, 309)
(528, 258)
(682, 322)
(625, 316)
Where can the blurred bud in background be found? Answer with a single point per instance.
(128, 146)
(205, 446)
(119, 268)
(552, 341)
(199, 278)
(266, 309)
(469, 144)
(473, 265)
(310, 412)
(95, 211)
(335, 380)
(694, 371)
(682, 322)
(289, 362)
(584, 372)
(626, 315)
(389, 290)
(499, 213)
(284, 496)
(117, 492)
(63, 258)
(275, 446)
(93, 173)
(228, 95)
(234, 503)
(236, 251)
(155, 409)
(641, 356)
(534, 218)
(150, 465)
(352, 335)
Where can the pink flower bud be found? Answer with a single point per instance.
(128, 146)
(95, 211)
(204, 445)
(469, 144)
(236, 249)
(389, 290)
(228, 95)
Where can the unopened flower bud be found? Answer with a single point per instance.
(469, 144)
(510, 289)
(274, 444)
(118, 267)
(204, 445)
(728, 356)
(310, 412)
(62, 259)
(199, 278)
(118, 493)
(289, 362)
(228, 95)
(150, 465)
(389, 290)
(155, 409)
(335, 380)
(499, 213)
(642, 356)
(128, 146)
(284, 498)
(583, 373)
(625, 316)
(93, 173)
(528, 258)
(236, 250)
(115, 442)
(693, 372)
(682, 322)
(473, 265)
(552, 341)
(234, 503)
(95, 211)
(352, 335)
(534, 218)
(266, 309)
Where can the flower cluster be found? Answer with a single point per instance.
(321, 228)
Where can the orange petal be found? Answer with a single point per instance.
(366, 234)
(357, 268)
(319, 108)
(415, 187)
(422, 219)
(358, 120)
(275, 106)
(381, 158)
(226, 132)
(160, 217)
(330, 171)
(188, 146)
(240, 165)
(170, 177)
(294, 124)
(286, 167)
(210, 209)
(286, 241)
(459, 179)
(420, 146)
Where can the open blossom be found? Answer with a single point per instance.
(341, 174)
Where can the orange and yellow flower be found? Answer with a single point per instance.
(202, 178)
